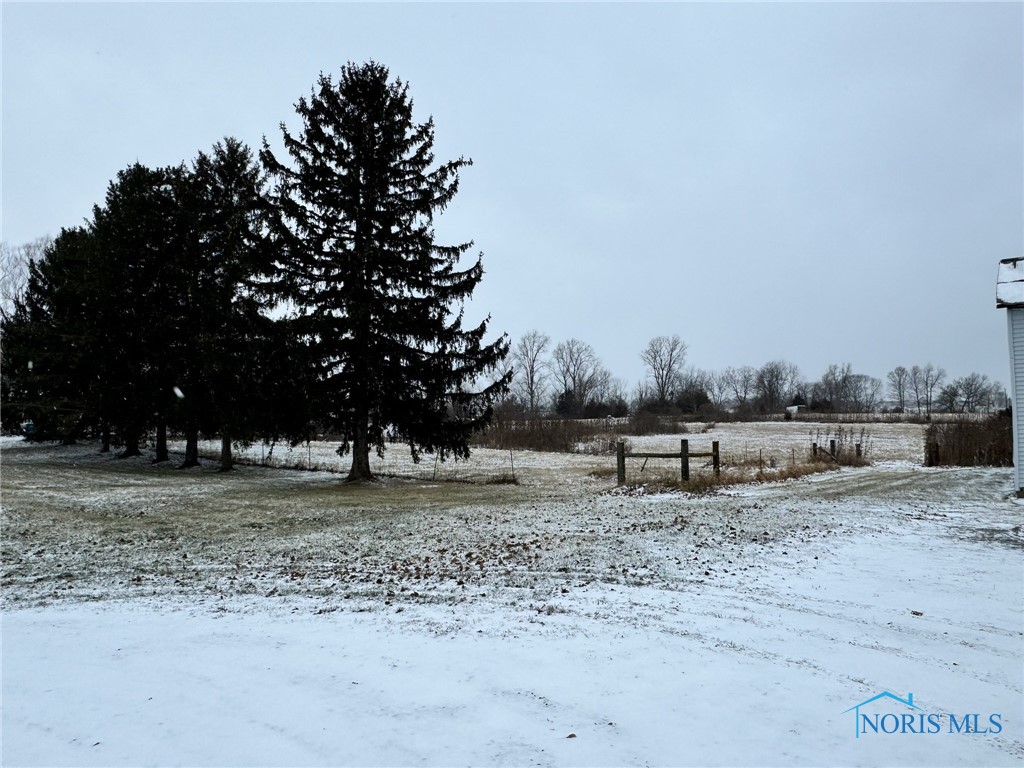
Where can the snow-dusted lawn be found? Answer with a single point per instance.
(273, 618)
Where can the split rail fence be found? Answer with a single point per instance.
(684, 455)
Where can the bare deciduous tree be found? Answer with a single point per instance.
(503, 371)
(616, 391)
(641, 394)
(916, 384)
(664, 357)
(576, 369)
(718, 389)
(948, 398)
(531, 370)
(742, 383)
(970, 394)
(773, 383)
(695, 378)
(692, 390)
(975, 392)
(931, 379)
(609, 391)
(835, 386)
(899, 385)
(14, 266)
(865, 393)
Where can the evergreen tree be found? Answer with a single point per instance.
(223, 260)
(48, 370)
(16, 331)
(137, 230)
(377, 300)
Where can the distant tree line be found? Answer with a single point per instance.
(926, 390)
(256, 299)
(568, 379)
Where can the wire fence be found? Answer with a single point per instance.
(485, 467)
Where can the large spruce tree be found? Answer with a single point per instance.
(222, 374)
(377, 300)
(137, 232)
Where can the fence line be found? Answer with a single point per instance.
(684, 455)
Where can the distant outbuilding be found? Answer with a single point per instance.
(1010, 296)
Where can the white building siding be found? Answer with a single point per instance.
(1015, 323)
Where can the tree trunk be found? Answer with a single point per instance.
(227, 463)
(161, 444)
(105, 447)
(191, 448)
(360, 471)
(72, 435)
(131, 445)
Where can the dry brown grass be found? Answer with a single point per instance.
(702, 482)
(843, 447)
(505, 478)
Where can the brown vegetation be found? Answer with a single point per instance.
(971, 443)
(663, 481)
(553, 435)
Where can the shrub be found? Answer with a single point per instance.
(663, 481)
(553, 435)
(970, 443)
(649, 423)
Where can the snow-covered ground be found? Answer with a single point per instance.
(739, 443)
(266, 617)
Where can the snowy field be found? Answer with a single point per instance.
(268, 617)
(740, 444)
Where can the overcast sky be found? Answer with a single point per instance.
(812, 182)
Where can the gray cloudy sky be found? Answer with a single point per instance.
(814, 182)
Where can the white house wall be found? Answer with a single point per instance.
(1015, 323)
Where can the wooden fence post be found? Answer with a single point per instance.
(684, 457)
